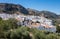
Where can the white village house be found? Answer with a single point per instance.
(31, 21)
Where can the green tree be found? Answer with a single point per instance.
(0, 18)
(52, 36)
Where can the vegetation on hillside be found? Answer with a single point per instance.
(12, 8)
(10, 30)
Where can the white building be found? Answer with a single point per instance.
(47, 23)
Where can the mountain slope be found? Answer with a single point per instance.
(19, 9)
(12, 8)
(47, 14)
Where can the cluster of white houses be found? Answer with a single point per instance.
(39, 22)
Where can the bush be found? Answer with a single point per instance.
(10, 30)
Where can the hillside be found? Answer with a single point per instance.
(47, 14)
(21, 26)
(12, 9)
(19, 9)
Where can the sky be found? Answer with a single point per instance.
(49, 5)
